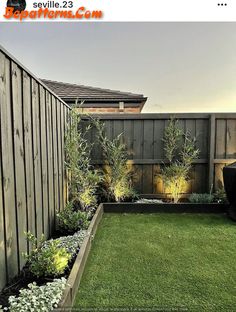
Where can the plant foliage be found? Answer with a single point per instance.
(201, 198)
(47, 259)
(84, 179)
(117, 173)
(180, 151)
(38, 298)
(70, 220)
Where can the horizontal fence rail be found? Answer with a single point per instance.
(143, 133)
(32, 174)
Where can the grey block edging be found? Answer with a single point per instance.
(74, 278)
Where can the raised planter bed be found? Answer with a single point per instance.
(165, 207)
(74, 278)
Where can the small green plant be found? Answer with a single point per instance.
(201, 198)
(46, 259)
(180, 156)
(220, 196)
(70, 220)
(83, 179)
(117, 173)
(38, 298)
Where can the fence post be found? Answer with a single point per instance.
(211, 154)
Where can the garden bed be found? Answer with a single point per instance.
(74, 278)
(165, 208)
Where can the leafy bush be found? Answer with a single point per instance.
(48, 259)
(83, 179)
(38, 298)
(117, 173)
(180, 156)
(70, 221)
(220, 196)
(201, 198)
(71, 243)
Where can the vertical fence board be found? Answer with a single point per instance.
(231, 139)
(55, 155)
(37, 159)
(148, 139)
(12, 250)
(20, 178)
(59, 143)
(3, 273)
(50, 162)
(29, 168)
(44, 153)
(128, 137)
(158, 126)
(138, 139)
(220, 151)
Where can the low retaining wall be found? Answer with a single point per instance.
(165, 208)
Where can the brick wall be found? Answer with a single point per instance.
(110, 110)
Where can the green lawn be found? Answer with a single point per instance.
(161, 261)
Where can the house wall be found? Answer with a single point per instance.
(110, 110)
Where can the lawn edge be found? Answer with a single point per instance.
(164, 208)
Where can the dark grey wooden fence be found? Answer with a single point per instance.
(143, 133)
(32, 184)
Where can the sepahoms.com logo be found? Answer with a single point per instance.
(16, 9)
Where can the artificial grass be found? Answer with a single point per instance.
(159, 262)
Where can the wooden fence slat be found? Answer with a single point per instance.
(55, 156)
(59, 150)
(3, 272)
(44, 154)
(20, 179)
(148, 139)
(12, 250)
(220, 151)
(230, 139)
(29, 167)
(37, 159)
(212, 127)
(51, 204)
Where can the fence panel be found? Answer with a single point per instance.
(32, 128)
(143, 134)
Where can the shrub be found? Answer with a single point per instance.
(180, 156)
(83, 180)
(71, 243)
(38, 298)
(201, 198)
(48, 259)
(220, 196)
(117, 173)
(70, 221)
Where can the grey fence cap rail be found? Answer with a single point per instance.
(143, 116)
